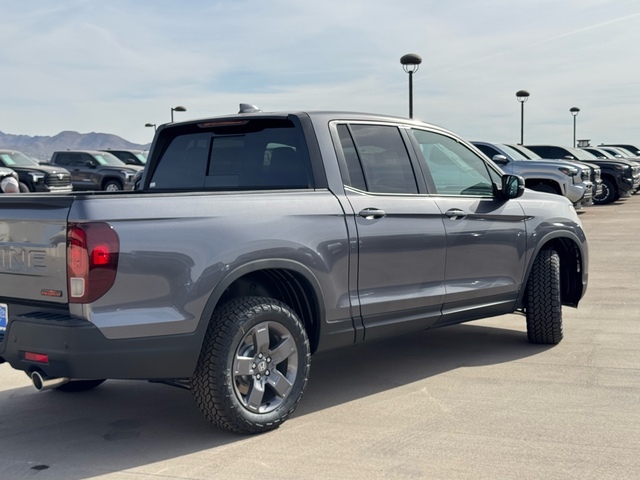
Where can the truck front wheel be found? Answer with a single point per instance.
(253, 366)
(112, 186)
(544, 305)
(609, 193)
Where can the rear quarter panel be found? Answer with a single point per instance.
(176, 248)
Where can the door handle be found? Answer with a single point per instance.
(372, 213)
(456, 214)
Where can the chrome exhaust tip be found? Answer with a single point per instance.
(42, 382)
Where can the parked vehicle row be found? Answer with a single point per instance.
(68, 170)
(586, 176)
(571, 179)
(96, 170)
(620, 176)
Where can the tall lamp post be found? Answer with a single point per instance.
(151, 125)
(574, 111)
(522, 96)
(177, 109)
(410, 63)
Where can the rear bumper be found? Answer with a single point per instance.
(77, 349)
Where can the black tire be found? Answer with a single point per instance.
(253, 366)
(80, 385)
(608, 194)
(544, 305)
(24, 188)
(541, 187)
(112, 186)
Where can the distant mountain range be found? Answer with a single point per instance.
(41, 148)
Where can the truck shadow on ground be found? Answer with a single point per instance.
(126, 424)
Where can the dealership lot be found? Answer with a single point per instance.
(467, 402)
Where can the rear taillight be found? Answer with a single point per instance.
(92, 260)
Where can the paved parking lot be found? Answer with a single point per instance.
(474, 401)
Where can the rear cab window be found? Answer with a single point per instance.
(233, 155)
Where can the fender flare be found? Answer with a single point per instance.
(254, 266)
(562, 234)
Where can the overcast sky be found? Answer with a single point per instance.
(111, 67)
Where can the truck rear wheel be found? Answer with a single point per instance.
(544, 305)
(253, 366)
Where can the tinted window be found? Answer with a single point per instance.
(184, 162)
(62, 159)
(383, 158)
(549, 151)
(488, 151)
(261, 154)
(454, 168)
(356, 177)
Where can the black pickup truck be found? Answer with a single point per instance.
(258, 239)
(34, 177)
(96, 170)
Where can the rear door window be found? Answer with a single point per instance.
(377, 159)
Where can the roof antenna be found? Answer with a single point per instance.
(248, 108)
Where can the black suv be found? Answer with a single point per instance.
(96, 170)
(130, 157)
(620, 177)
(34, 177)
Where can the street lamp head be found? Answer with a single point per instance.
(522, 96)
(574, 111)
(411, 62)
(150, 125)
(179, 108)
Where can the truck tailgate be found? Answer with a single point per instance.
(33, 247)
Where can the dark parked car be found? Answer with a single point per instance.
(96, 170)
(34, 177)
(620, 177)
(130, 157)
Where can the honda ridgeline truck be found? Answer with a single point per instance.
(258, 239)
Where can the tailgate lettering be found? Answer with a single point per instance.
(22, 260)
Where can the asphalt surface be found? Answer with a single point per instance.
(474, 401)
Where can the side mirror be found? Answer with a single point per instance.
(512, 186)
(500, 159)
(91, 164)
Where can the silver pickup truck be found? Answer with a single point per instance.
(258, 239)
(570, 179)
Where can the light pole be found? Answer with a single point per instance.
(574, 111)
(151, 125)
(177, 109)
(410, 63)
(522, 96)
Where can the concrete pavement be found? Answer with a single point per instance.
(474, 401)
